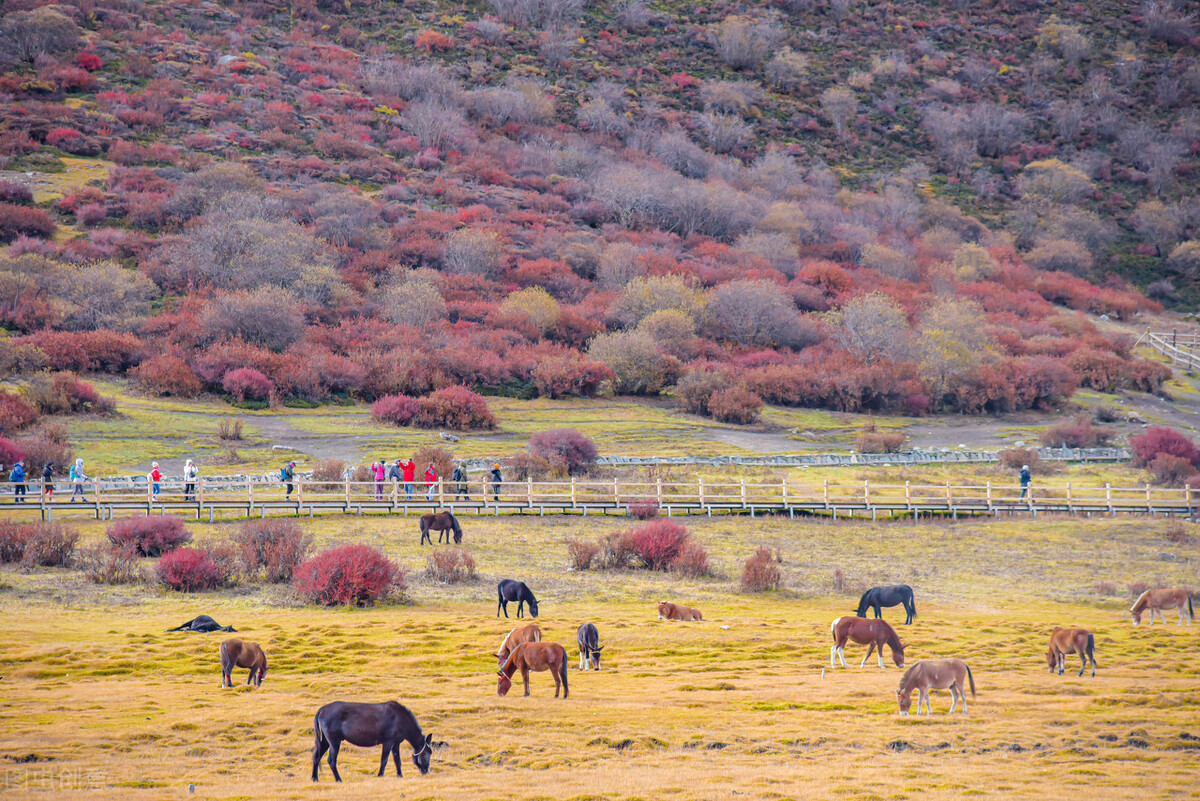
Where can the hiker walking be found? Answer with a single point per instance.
(1025, 479)
(190, 474)
(460, 479)
(430, 481)
(288, 475)
(77, 479)
(48, 482)
(17, 477)
(155, 477)
(380, 471)
(496, 480)
(410, 476)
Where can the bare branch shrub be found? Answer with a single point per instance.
(744, 43)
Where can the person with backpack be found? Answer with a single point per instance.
(410, 476)
(430, 481)
(17, 477)
(460, 479)
(190, 474)
(496, 481)
(1025, 479)
(395, 474)
(287, 474)
(155, 478)
(48, 482)
(77, 478)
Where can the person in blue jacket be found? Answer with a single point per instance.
(17, 477)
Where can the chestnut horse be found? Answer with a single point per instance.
(534, 656)
(530, 633)
(935, 674)
(235, 654)
(670, 611)
(1071, 641)
(1158, 600)
(443, 523)
(874, 631)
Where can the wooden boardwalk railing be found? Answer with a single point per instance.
(218, 498)
(1182, 348)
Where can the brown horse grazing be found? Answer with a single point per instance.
(1158, 600)
(368, 725)
(530, 633)
(863, 630)
(534, 656)
(670, 611)
(443, 522)
(1071, 641)
(935, 674)
(235, 654)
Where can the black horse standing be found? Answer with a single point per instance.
(368, 725)
(891, 595)
(509, 590)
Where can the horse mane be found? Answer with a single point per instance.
(907, 673)
(862, 602)
(406, 713)
(893, 639)
(505, 642)
(454, 523)
(1140, 603)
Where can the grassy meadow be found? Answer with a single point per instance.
(97, 699)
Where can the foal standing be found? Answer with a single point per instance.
(935, 674)
(234, 654)
(1071, 641)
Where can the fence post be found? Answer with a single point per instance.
(249, 495)
(825, 493)
(989, 496)
(616, 492)
(441, 486)
(949, 498)
(783, 492)
(700, 494)
(907, 495)
(867, 494)
(149, 492)
(529, 491)
(97, 480)
(743, 493)
(347, 491)
(1108, 496)
(573, 491)
(1187, 497)
(1149, 505)
(299, 492)
(1069, 509)
(658, 490)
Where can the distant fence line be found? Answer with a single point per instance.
(1182, 348)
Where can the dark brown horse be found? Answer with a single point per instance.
(530, 633)
(368, 725)
(534, 656)
(443, 522)
(1071, 641)
(238, 654)
(873, 631)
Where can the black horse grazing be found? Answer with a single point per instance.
(368, 725)
(891, 595)
(509, 590)
(442, 522)
(589, 647)
(203, 623)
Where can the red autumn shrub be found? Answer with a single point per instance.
(1158, 440)
(40, 544)
(450, 565)
(658, 543)
(276, 546)
(41, 449)
(644, 509)
(246, 383)
(692, 561)
(152, 535)
(696, 388)
(348, 574)
(456, 408)
(9, 452)
(87, 351)
(565, 449)
(398, 410)
(15, 414)
(167, 375)
(1016, 458)
(64, 393)
(1081, 432)
(432, 42)
(107, 564)
(582, 553)
(569, 374)
(761, 571)
(1170, 470)
(17, 220)
(735, 404)
(89, 61)
(190, 570)
(13, 192)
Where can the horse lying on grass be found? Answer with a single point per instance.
(368, 725)
(670, 611)
(935, 674)
(203, 623)
(1071, 641)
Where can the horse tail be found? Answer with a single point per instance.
(563, 673)
(833, 627)
(318, 733)
(911, 603)
(971, 679)
(226, 660)
(1092, 647)
(1191, 614)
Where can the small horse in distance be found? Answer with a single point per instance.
(530, 633)
(510, 590)
(203, 623)
(368, 725)
(442, 522)
(589, 646)
(935, 674)
(874, 631)
(1158, 600)
(1071, 641)
(235, 654)
(670, 611)
(534, 656)
(891, 595)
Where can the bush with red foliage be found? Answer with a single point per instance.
(644, 509)
(15, 414)
(276, 546)
(761, 571)
(450, 565)
(40, 544)
(692, 561)
(190, 570)
(246, 383)
(1159, 440)
(872, 441)
(657, 544)
(89, 61)
(13, 192)
(64, 393)
(1081, 432)
(570, 374)
(27, 220)
(40, 449)
(152, 535)
(100, 350)
(348, 575)
(582, 553)
(1108, 372)
(1016, 458)
(565, 449)
(399, 410)
(735, 404)
(1170, 470)
(432, 42)
(456, 408)
(167, 375)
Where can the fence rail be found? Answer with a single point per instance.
(1181, 348)
(234, 498)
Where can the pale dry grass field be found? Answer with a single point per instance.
(742, 705)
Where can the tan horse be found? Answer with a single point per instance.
(874, 631)
(935, 674)
(1071, 641)
(530, 633)
(1158, 600)
(534, 656)
(235, 654)
(670, 611)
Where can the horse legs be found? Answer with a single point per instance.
(954, 699)
(583, 660)
(924, 697)
(868, 656)
(395, 758)
(520, 608)
(1062, 661)
(878, 611)
(318, 752)
(426, 538)
(387, 752)
(502, 603)
(841, 651)
(525, 677)
(334, 747)
(1083, 660)
(557, 681)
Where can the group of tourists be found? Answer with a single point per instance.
(20, 481)
(404, 473)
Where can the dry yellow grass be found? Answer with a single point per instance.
(735, 706)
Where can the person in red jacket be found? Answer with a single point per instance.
(155, 478)
(410, 475)
(430, 481)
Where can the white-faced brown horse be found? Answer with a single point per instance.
(873, 631)
(670, 611)
(530, 633)
(1158, 600)
(534, 656)
(238, 654)
(1071, 641)
(368, 725)
(442, 522)
(935, 674)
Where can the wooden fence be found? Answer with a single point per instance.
(1182, 348)
(218, 498)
